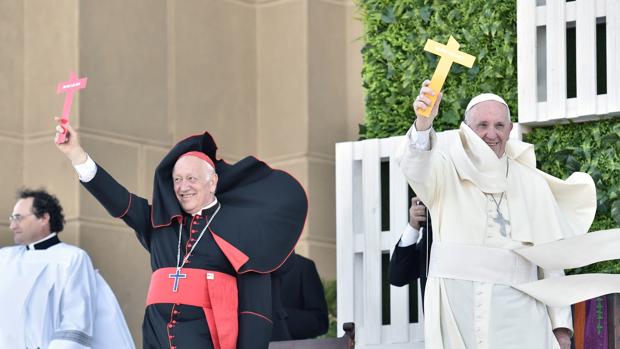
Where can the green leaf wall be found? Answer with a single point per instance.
(395, 64)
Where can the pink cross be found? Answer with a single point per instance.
(68, 87)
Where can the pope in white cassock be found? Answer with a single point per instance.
(487, 198)
(50, 295)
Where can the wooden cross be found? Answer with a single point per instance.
(176, 276)
(449, 54)
(68, 87)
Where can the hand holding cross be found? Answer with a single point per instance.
(71, 147)
(449, 54)
(68, 87)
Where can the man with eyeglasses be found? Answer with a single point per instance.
(50, 294)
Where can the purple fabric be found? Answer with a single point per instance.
(596, 324)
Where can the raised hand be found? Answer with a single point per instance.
(421, 103)
(71, 147)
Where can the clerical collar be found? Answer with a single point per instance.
(213, 203)
(46, 242)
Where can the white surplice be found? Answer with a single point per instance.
(457, 179)
(54, 299)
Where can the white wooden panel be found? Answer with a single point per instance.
(417, 329)
(541, 13)
(602, 106)
(556, 60)
(344, 235)
(517, 131)
(613, 56)
(586, 58)
(359, 244)
(601, 8)
(526, 60)
(372, 255)
(359, 306)
(553, 18)
(570, 10)
(398, 331)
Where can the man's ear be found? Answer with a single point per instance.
(46, 217)
(214, 178)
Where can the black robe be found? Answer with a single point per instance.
(261, 218)
(411, 263)
(300, 312)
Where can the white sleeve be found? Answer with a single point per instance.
(87, 170)
(560, 316)
(77, 305)
(410, 236)
(422, 163)
(420, 140)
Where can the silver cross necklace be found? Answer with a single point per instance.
(177, 275)
(500, 219)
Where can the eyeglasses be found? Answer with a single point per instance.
(18, 217)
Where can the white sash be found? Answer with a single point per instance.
(518, 268)
(480, 263)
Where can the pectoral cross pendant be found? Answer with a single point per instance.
(176, 276)
(502, 221)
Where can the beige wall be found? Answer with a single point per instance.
(278, 79)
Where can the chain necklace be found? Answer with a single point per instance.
(177, 275)
(500, 219)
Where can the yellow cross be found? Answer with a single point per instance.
(449, 54)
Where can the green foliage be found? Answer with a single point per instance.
(329, 286)
(395, 64)
(594, 148)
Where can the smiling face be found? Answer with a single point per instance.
(490, 121)
(194, 183)
(26, 227)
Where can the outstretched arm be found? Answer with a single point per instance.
(415, 155)
(114, 197)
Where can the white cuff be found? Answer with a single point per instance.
(87, 170)
(420, 140)
(561, 317)
(65, 344)
(410, 236)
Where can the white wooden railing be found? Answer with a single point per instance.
(541, 38)
(361, 243)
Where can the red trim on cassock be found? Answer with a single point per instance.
(127, 209)
(214, 292)
(233, 254)
(178, 218)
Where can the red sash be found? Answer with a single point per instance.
(214, 292)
